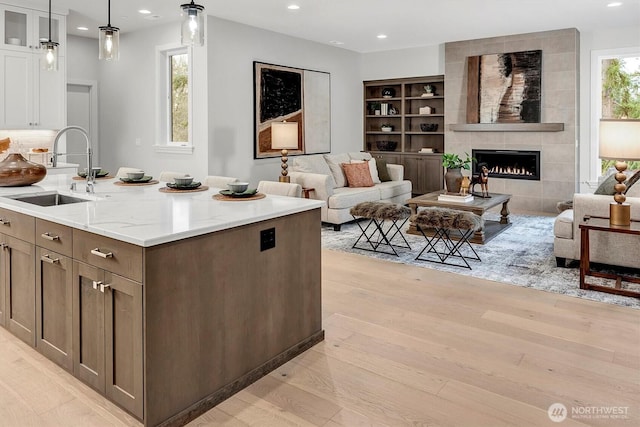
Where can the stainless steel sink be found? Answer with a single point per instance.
(52, 198)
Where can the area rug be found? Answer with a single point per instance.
(522, 255)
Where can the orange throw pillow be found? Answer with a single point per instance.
(357, 174)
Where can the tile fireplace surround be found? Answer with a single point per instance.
(558, 150)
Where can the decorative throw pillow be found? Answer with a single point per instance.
(633, 179)
(606, 187)
(358, 174)
(372, 169)
(360, 155)
(383, 172)
(334, 161)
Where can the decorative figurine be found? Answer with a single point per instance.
(464, 185)
(483, 179)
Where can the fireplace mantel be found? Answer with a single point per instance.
(507, 127)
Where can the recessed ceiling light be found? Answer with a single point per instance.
(338, 42)
(293, 7)
(144, 11)
(82, 28)
(614, 4)
(382, 36)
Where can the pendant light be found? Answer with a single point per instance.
(192, 24)
(109, 40)
(49, 50)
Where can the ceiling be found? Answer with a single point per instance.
(356, 23)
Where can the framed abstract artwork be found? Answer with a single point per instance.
(295, 95)
(504, 87)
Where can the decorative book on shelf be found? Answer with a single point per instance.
(455, 197)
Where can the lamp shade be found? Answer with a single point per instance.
(619, 139)
(284, 135)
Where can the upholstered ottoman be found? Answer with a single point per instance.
(451, 232)
(375, 233)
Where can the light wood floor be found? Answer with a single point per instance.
(404, 346)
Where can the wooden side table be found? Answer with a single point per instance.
(602, 224)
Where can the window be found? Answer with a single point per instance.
(179, 93)
(174, 113)
(615, 94)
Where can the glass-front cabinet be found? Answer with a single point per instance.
(24, 29)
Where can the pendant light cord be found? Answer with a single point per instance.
(49, 20)
(108, 13)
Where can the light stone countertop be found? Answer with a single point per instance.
(144, 216)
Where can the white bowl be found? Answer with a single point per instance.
(14, 40)
(183, 180)
(135, 175)
(238, 187)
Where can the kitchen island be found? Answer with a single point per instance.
(165, 303)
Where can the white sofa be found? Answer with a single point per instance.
(322, 172)
(606, 248)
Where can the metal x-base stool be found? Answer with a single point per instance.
(451, 232)
(375, 235)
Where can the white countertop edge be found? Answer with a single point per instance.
(77, 216)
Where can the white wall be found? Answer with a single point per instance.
(82, 58)
(413, 62)
(232, 49)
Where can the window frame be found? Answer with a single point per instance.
(597, 56)
(163, 97)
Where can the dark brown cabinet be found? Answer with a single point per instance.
(54, 297)
(424, 171)
(18, 281)
(414, 109)
(107, 317)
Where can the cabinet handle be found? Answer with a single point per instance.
(97, 283)
(101, 254)
(103, 287)
(48, 236)
(47, 258)
(4, 221)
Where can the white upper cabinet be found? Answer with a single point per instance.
(31, 98)
(24, 29)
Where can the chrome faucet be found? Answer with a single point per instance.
(54, 159)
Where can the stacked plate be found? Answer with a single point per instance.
(247, 193)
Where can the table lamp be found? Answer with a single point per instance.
(620, 141)
(284, 136)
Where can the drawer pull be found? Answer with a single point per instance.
(101, 254)
(48, 236)
(103, 287)
(47, 258)
(97, 283)
(4, 221)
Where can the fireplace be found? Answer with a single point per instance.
(512, 164)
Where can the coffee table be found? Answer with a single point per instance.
(478, 206)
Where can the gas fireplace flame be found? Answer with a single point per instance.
(510, 170)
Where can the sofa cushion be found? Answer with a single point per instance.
(334, 161)
(313, 164)
(373, 169)
(358, 174)
(392, 189)
(632, 182)
(383, 172)
(347, 197)
(563, 225)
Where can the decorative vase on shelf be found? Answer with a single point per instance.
(388, 92)
(16, 171)
(453, 180)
